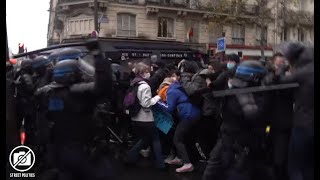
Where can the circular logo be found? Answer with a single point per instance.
(22, 158)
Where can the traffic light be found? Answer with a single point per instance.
(21, 48)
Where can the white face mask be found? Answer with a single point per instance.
(229, 85)
(230, 65)
(146, 75)
(174, 79)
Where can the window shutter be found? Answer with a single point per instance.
(132, 25)
(119, 24)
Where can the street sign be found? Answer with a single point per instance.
(221, 44)
(103, 19)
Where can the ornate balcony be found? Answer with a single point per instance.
(167, 3)
(303, 18)
(67, 5)
(181, 7)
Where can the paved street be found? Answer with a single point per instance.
(144, 171)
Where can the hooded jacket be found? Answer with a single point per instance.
(302, 60)
(177, 99)
(163, 89)
(303, 95)
(157, 78)
(146, 101)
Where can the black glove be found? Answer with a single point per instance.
(92, 45)
(27, 80)
(269, 79)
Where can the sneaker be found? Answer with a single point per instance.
(185, 168)
(168, 159)
(145, 152)
(175, 161)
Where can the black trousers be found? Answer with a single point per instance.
(230, 161)
(182, 130)
(206, 133)
(74, 162)
(280, 144)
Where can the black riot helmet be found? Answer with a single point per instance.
(67, 72)
(248, 73)
(24, 66)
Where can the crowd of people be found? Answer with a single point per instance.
(251, 135)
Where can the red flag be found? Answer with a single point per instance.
(190, 33)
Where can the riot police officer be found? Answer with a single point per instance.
(70, 107)
(238, 150)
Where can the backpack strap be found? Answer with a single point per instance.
(195, 75)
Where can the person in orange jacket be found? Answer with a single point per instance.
(163, 88)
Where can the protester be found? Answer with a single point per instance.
(159, 72)
(143, 122)
(163, 89)
(222, 80)
(188, 114)
(281, 116)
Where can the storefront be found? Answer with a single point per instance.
(141, 49)
(246, 52)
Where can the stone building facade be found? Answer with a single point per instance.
(195, 23)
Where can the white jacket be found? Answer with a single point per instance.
(146, 101)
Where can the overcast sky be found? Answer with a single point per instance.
(27, 22)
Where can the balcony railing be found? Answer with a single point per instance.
(79, 1)
(75, 1)
(168, 3)
(299, 17)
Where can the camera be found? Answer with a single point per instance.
(25, 161)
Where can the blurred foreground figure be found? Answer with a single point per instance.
(239, 153)
(70, 104)
(301, 148)
(281, 117)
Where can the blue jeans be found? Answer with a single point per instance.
(148, 135)
(301, 154)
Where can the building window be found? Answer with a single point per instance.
(302, 5)
(165, 27)
(80, 26)
(301, 35)
(128, 1)
(192, 31)
(126, 25)
(258, 35)
(192, 4)
(284, 34)
(238, 34)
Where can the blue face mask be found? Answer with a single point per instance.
(230, 65)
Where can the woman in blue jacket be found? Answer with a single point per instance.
(188, 114)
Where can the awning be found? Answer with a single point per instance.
(167, 50)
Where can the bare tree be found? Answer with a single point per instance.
(264, 16)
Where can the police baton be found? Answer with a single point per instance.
(230, 92)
